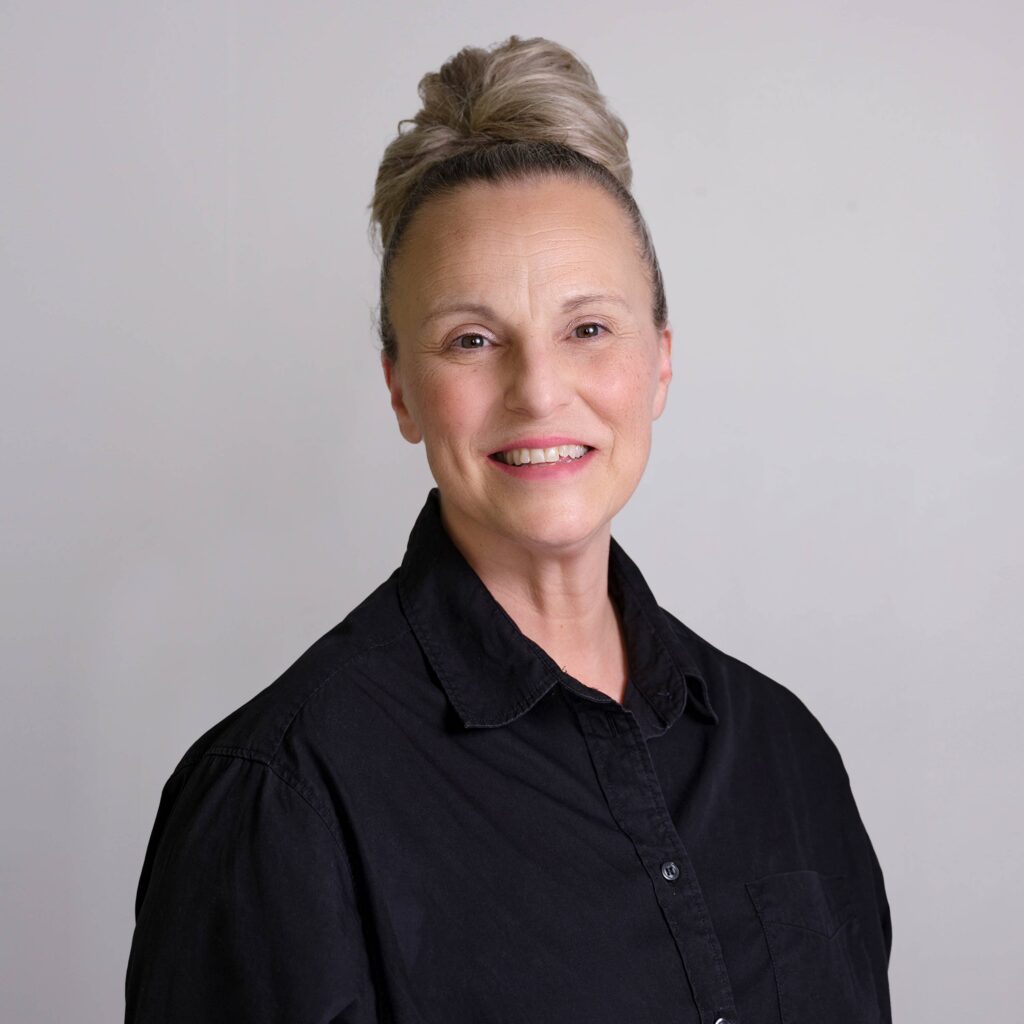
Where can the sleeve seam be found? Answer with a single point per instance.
(294, 782)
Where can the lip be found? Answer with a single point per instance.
(540, 442)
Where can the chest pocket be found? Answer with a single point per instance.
(822, 970)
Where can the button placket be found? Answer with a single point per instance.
(637, 803)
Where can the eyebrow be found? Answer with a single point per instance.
(482, 309)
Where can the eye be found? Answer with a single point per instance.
(588, 326)
(468, 348)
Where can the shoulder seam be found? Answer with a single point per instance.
(330, 675)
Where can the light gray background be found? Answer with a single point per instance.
(202, 473)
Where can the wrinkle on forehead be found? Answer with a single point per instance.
(481, 243)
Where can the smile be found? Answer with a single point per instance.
(549, 469)
(539, 456)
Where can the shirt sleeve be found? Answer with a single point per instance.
(884, 912)
(245, 909)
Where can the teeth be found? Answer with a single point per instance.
(523, 456)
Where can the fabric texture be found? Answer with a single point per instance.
(424, 820)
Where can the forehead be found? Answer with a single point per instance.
(541, 236)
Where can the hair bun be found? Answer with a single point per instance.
(521, 90)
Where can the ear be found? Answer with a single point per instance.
(664, 370)
(406, 423)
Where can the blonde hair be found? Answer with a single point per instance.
(524, 108)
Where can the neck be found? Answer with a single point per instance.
(558, 598)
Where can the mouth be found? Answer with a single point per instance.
(562, 453)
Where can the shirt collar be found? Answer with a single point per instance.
(492, 672)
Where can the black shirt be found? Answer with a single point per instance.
(425, 821)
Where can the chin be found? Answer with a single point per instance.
(558, 526)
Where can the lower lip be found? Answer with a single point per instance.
(545, 470)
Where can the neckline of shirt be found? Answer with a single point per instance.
(492, 673)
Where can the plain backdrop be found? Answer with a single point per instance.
(202, 473)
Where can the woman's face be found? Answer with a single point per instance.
(523, 316)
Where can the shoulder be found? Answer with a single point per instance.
(327, 674)
(754, 706)
(259, 773)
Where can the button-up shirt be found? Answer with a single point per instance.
(425, 820)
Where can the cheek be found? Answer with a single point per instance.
(453, 409)
(627, 394)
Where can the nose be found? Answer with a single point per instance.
(538, 382)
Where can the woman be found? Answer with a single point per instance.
(509, 786)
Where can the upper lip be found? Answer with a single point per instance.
(539, 442)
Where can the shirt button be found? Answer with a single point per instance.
(670, 869)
